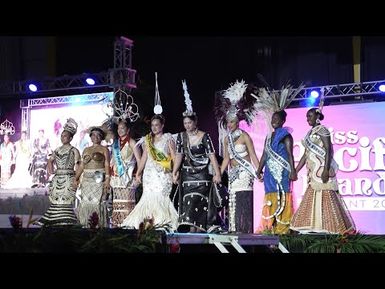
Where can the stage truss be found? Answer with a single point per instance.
(341, 91)
(120, 76)
(27, 104)
(344, 90)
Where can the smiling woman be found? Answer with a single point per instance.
(322, 208)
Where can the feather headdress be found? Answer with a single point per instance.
(235, 102)
(270, 101)
(187, 100)
(322, 100)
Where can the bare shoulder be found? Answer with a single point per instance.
(246, 136)
(132, 142)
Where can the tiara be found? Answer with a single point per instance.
(7, 127)
(123, 106)
(71, 126)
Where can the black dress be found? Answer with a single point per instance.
(197, 197)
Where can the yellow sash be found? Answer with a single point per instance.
(158, 156)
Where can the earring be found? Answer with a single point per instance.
(318, 121)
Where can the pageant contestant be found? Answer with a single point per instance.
(195, 151)
(62, 163)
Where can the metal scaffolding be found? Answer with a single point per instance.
(356, 91)
(121, 75)
(344, 90)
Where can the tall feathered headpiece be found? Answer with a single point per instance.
(157, 104)
(187, 100)
(322, 100)
(235, 102)
(270, 101)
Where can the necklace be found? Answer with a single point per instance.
(193, 133)
(236, 134)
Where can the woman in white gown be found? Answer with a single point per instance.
(158, 151)
(21, 178)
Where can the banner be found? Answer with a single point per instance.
(358, 138)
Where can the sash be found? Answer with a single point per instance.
(320, 152)
(276, 157)
(118, 157)
(313, 147)
(244, 163)
(157, 155)
(189, 155)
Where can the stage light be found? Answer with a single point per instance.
(381, 88)
(314, 93)
(32, 87)
(90, 81)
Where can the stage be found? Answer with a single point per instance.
(226, 242)
(22, 202)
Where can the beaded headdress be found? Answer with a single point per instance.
(187, 100)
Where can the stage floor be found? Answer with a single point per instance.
(226, 242)
(20, 202)
(19, 193)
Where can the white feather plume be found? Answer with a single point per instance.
(187, 99)
(235, 92)
(272, 101)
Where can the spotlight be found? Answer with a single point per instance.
(32, 87)
(314, 93)
(381, 88)
(90, 81)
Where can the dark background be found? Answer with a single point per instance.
(208, 63)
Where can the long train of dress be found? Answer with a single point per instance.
(155, 201)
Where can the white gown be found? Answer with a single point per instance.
(155, 201)
(21, 177)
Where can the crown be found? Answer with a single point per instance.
(7, 127)
(124, 107)
(71, 126)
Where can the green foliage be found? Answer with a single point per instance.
(357, 243)
(74, 239)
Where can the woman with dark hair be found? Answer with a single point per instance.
(278, 160)
(125, 156)
(95, 184)
(63, 163)
(195, 151)
(41, 149)
(7, 158)
(322, 209)
(21, 177)
(239, 158)
(156, 167)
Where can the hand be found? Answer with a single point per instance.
(106, 185)
(75, 184)
(217, 179)
(175, 177)
(138, 179)
(325, 176)
(293, 175)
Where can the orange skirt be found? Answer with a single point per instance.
(276, 217)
